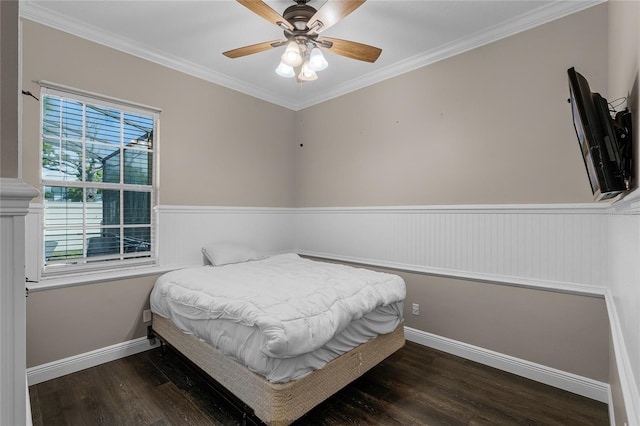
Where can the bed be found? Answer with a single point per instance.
(281, 333)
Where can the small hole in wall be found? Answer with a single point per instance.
(301, 144)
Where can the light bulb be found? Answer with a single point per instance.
(291, 55)
(306, 73)
(285, 70)
(317, 62)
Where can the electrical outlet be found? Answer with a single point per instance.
(146, 315)
(415, 309)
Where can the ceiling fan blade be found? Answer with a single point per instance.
(265, 11)
(351, 49)
(254, 48)
(332, 12)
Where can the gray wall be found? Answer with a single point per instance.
(9, 89)
(563, 331)
(490, 126)
(75, 320)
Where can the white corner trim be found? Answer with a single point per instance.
(540, 373)
(15, 195)
(28, 415)
(72, 364)
(612, 411)
(628, 386)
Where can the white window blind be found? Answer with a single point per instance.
(98, 170)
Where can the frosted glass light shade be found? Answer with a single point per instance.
(306, 73)
(317, 62)
(291, 55)
(284, 70)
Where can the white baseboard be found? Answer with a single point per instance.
(550, 376)
(567, 381)
(628, 385)
(72, 364)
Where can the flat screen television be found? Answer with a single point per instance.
(605, 141)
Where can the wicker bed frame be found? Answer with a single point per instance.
(279, 403)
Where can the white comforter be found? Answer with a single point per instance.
(297, 304)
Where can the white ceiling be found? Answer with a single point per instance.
(190, 36)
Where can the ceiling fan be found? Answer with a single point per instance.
(302, 25)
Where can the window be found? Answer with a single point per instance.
(98, 176)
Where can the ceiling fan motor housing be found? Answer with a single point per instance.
(298, 15)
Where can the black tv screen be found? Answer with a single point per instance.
(596, 132)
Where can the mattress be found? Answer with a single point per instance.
(283, 316)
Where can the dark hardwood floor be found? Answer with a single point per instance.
(415, 386)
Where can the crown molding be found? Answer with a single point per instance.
(539, 16)
(36, 13)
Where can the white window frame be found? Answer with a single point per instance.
(61, 269)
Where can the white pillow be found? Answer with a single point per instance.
(223, 254)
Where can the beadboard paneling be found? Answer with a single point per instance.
(183, 230)
(562, 247)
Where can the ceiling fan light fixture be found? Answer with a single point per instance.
(306, 73)
(284, 70)
(302, 25)
(291, 55)
(317, 61)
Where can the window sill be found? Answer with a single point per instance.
(57, 282)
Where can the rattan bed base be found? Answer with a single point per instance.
(280, 403)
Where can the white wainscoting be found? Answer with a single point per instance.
(582, 248)
(561, 247)
(15, 196)
(183, 230)
(552, 246)
(557, 247)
